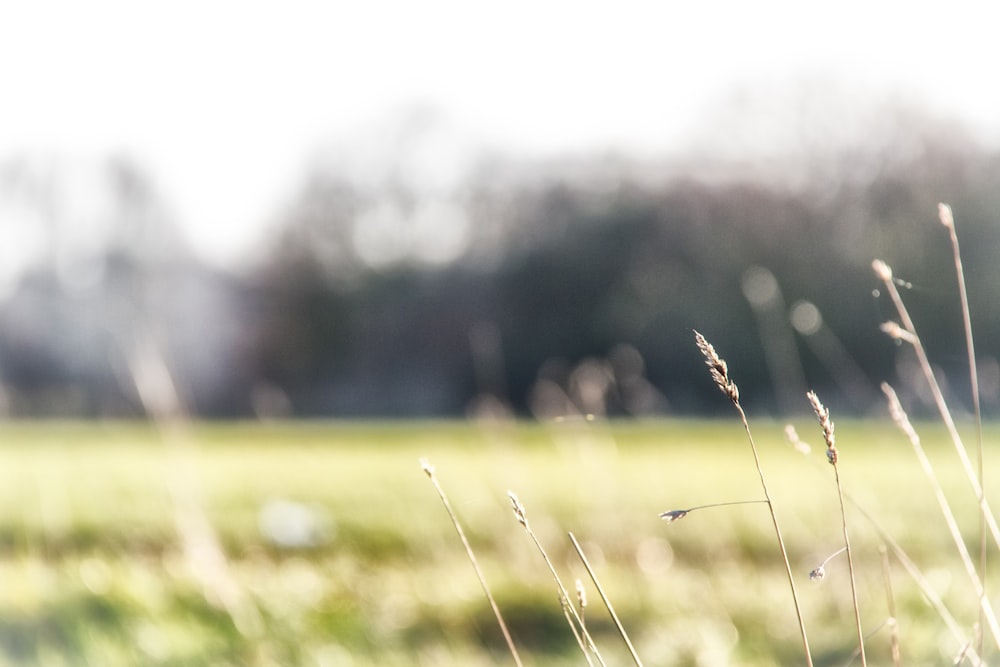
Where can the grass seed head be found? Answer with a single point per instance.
(718, 367)
(826, 424)
(518, 509)
(673, 515)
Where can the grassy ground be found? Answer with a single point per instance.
(93, 571)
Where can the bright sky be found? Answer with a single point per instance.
(224, 103)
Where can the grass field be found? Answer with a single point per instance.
(93, 570)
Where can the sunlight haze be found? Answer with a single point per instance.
(226, 104)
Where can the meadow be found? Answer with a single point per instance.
(340, 551)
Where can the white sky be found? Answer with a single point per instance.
(224, 103)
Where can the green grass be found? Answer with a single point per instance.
(93, 575)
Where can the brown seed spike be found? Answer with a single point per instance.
(826, 424)
(718, 367)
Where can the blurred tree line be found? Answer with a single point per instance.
(544, 288)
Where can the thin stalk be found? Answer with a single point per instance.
(909, 334)
(720, 374)
(607, 602)
(948, 220)
(429, 470)
(891, 603)
(579, 629)
(826, 424)
(206, 560)
(920, 580)
(676, 515)
(903, 422)
(777, 532)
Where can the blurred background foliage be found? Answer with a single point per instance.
(391, 285)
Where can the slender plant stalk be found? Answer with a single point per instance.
(826, 424)
(429, 470)
(891, 603)
(919, 579)
(903, 422)
(720, 373)
(676, 515)
(948, 220)
(581, 600)
(579, 629)
(607, 602)
(206, 560)
(908, 333)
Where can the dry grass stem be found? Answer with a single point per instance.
(581, 601)
(883, 271)
(948, 220)
(430, 472)
(576, 624)
(826, 425)
(793, 438)
(720, 374)
(203, 553)
(903, 422)
(891, 604)
(676, 515)
(932, 596)
(607, 602)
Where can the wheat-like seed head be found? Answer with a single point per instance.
(826, 424)
(519, 513)
(718, 367)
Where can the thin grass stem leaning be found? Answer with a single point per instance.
(908, 333)
(902, 421)
(826, 424)
(720, 373)
(948, 220)
(429, 471)
(607, 602)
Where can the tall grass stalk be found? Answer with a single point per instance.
(720, 374)
(918, 577)
(891, 604)
(948, 220)
(826, 425)
(203, 552)
(576, 623)
(908, 333)
(606, 600)
(429, 471)
(903, 422)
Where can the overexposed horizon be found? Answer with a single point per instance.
(226, 104)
